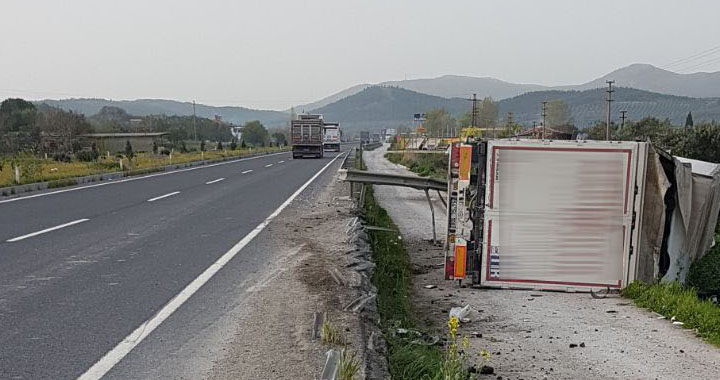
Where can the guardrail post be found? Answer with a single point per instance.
(432, 212)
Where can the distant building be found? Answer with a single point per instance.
(236, 131)
(115, 142)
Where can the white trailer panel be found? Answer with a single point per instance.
(559, 215)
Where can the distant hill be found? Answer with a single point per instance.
(332, 98)
(388, 107)
(640, 76)
(455, 86)
(650, 78)
(448, 86)
(379, 107)
(145, 107)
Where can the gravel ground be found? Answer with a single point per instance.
(405, 204)
(273, 336)
(542, 335)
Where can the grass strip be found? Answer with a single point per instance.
(392, 278)
(674, 300)
(425, 165)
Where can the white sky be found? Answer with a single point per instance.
(274, 54)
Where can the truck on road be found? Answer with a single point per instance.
(331, 137)
(306, 136)
(364, 137)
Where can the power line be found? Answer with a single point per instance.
(701, 64)
(693, 57)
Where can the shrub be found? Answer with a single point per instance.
(129, 150)
(233, 144)
(87, 155)
(242, 144)
(165, 151)
(61, 157)
(219, 145)
(705, 273)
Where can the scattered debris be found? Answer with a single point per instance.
(430, 286)
(460, 312)
(487, 370)
(358, 303)
(336, 276)
(331, 365)
(317, 322)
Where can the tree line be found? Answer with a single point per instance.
(26, 127)
(698, 141)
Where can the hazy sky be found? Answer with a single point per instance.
(273, 54)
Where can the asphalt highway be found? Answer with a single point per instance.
(84, 268)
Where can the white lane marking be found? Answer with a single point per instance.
(268, 165)
(280, 162)
(247, 171)
(107, 362)
(46, 230)
(111, 182)
(164, 196)
(214, 181)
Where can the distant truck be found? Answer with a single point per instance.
(389, 135)
(364, 137)
(306, 136)
(331, 137)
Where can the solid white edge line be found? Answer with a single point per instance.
(111, 182)
(268, 165)
(163, 196)
(214, 181)
(46, 230)
(107, 362)
(247, 171)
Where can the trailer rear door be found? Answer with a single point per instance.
(559, 215)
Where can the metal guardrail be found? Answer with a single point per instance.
(420, 183)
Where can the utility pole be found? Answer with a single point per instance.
(609, 100)
(474, 110)
(544, 114)
(509, 122)
(534, 132)
(194, 121)
(622, 117)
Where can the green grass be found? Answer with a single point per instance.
(392, 277)
(426, 165)
(674, 300)
(705, 273)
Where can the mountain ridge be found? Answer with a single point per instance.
(642, 76)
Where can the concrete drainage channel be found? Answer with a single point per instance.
(362, 303)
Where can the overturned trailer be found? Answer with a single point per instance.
(574, 215)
